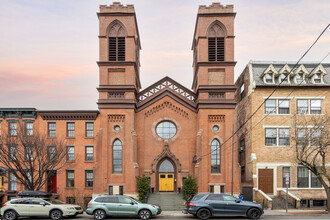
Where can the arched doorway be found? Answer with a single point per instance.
(166, 176)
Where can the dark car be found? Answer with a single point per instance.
(204, 206)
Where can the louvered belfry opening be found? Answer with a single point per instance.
(116, 48)
(216, 49)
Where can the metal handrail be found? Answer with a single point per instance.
(147, 196)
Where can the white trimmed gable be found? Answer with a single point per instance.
(284, 71)
(270, 71)
(301, 71)
(319, 72)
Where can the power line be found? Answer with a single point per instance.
(277, 86)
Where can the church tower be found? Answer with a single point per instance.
(119, 65)
(119, 58)
(213, 83)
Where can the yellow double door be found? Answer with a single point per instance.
(166, 182)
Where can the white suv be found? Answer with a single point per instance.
(27, 207)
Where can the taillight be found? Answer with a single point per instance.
(190, 204)
(3, 205)
(89, 204)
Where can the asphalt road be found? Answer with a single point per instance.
(288, 217)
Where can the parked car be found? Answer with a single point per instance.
(32, 207)
(118, 205)
(204, 206)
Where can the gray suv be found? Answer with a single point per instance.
(207, 205)
(117, 205)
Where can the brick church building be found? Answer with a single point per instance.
(165, 131)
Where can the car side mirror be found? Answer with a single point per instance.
(132, 203)
(43, 203)
(237, 200)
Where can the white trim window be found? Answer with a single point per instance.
(309, 106)
(300, 77)
(269, 78)
(29, 128)
(317, 78)
(308, 136)
(277, 106)
(284, 78)
(307, 179)
(277, 137)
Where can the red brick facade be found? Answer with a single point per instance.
(125, 126)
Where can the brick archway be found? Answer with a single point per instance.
(166, 155)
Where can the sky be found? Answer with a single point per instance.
(49, 48)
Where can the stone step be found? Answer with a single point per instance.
(167, 201)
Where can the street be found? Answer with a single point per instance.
(163, 217)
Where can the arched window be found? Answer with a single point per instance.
(117, 157)
(166, 167)
(116, 34)
(216, 42)
(215, 156)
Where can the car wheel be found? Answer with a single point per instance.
(56, 214)
(203, 214)
(10, 215)
(144, 214)
(99, 214)
(254, 213)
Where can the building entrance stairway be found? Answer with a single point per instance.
(167, 201)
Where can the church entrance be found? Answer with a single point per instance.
(166, 176)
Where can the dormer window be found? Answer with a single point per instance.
(317, 74)
(284, 74)
(269, 78)
(299, 78)
(283, 79)
(269, 74)
(300, 73)
(318, 78)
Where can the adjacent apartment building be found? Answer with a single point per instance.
(165, 131)
(266, 147)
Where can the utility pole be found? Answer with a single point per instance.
(232, 162)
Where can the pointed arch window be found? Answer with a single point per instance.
(117, 41)
(166, 167)
(117, 157)
(216, 43)
(215, 156)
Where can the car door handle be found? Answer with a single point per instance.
(120, 205)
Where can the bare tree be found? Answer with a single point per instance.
(312, 147)
(30, 156)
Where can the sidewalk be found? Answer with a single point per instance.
(266, 212)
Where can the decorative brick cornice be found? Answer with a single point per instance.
(169, 105)
(216, 118)
(68, 115)
(116, 118)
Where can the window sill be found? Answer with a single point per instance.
(216, 174)
(276, 114)
(70, 137)
(279, 146)
(310, 114)
(89, 137)
(69, 187)
(51, 137)
(88, 187)
(89, 161)
(70, 161)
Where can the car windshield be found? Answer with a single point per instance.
(134, 200)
